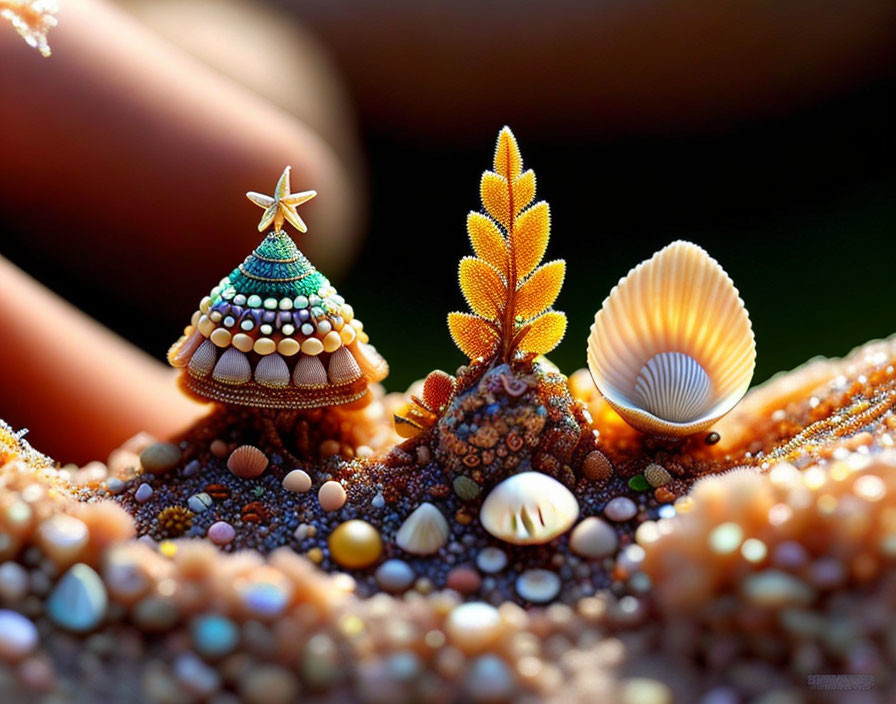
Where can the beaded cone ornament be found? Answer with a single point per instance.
(275, 333)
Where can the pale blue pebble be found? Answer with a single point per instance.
(79, 601)
(144, 491)
(214, 636)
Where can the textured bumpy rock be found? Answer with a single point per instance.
(700, 572)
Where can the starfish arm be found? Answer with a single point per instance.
(260, 199)
(295, 199)
(293, 218)
(267, 217)
(282, 185)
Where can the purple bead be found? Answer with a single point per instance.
(269, 316)
(256, 315)
(284, 318)
(236, 311)
(303, 316)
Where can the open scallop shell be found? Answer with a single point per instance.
(672, 349)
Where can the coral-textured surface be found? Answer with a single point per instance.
(674, 586)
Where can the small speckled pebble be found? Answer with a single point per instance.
(160, 458)
(621, 508)
(395, 575)
(298, 481)
(115, 485)
(198, 503)
(464, 580)
(538, 586)
(491, 560)
(18, 635)
(593, 538)
(192, 468)
(331, 496)
(221, 533)
(79, 600)
(144, 491)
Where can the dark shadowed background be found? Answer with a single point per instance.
(761, 131)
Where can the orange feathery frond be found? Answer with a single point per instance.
(475, 337)
(487, 241)
(529, 239)
(496, 197)
(508, 161)
(544, 333)
(482, 287)
(541, 289)
(510, 297)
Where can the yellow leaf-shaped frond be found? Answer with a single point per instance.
(482, 287)
(508, 162)
(495, 196)
(487, 240)
(544, 333)
(523, 191)
(529, 238)
(540, 290)
(475, 336)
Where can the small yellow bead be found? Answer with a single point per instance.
(288, 347)
(362, 336)
(194, 321)
(243, 342)
(316, 555)
(221, 337)
(355, 544)
(312, 346)
(348, 334)
(205, 325)
(332, 341)
(265, 345)
(205, 304)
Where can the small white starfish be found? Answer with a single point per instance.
(282, 205)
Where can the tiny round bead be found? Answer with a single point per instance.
(270, 303)
(220, 337)
(324, 326)
(266, 329)
(348, 334)
(254, 301)
(264, 345)
(288, 347)
(247, 324)
(300, 302)
(285, 304)
(288, 329)
(312, 346)
(332, 342)
(307, 329)
(229, 322)
(243, 342)
(239, 300)
(205, 304)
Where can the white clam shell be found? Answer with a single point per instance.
(529, 508)
(424, 532)
(672, 348)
